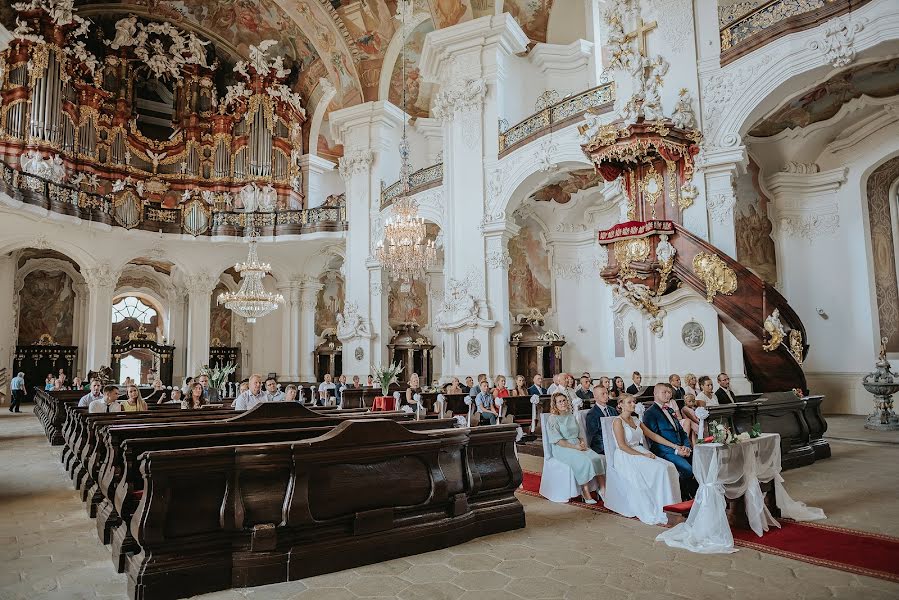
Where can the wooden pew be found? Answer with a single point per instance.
(50, 410)
(367, 491)
(114, 513)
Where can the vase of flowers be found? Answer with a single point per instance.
(217, 376)
(386, 375)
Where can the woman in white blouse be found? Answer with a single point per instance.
(706, 397)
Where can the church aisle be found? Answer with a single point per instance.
(50, 551)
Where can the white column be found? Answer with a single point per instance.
(593, 16)
(497, 236)
(313, 168)
(199, 295)
(470, 61)
(720, 168)
(101, 282)
(305, 335)
(286, 317)
(378, 289)
(177, 334)
(8, 318)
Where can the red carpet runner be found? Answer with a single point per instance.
(824, 545)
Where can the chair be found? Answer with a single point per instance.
(502, 408)
(557, 483)
(419, 407)
(616, 486)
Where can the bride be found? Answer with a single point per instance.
(652, 481)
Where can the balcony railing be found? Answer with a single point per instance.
(750, 25)
(557, 116)
(193, 218)
(420, 180)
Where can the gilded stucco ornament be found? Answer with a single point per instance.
(796, 345)
(627, 251)
(775, 330)
(715, 274)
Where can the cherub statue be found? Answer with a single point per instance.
(197, 49)
(683, 116)
(125, 32)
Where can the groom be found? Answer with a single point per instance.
(662, 420)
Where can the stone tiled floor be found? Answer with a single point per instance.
(49, 548)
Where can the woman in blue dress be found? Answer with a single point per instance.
(570, 448)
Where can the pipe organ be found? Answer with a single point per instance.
(67, 91)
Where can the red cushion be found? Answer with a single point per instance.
(680, 507)
(137, 495)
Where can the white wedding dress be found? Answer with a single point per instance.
(651, 482)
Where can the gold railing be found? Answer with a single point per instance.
(545, 121)
(68, 199)
(746, 26)
(421, 179)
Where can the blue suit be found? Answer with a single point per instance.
(594, 426)
(540, 391)
(658, 423)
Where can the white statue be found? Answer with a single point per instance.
(683, 116)
(197, 49)
(50, 168)
(185, 196)
(268, 198)
(280, 70)
(125, 32)
(350, 324)
(259, 56)
(247, 197)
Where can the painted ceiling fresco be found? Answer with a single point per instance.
(877, 80)
(567, 186)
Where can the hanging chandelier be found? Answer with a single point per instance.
(405, 250)
(251, 301)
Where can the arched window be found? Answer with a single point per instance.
(131, 306)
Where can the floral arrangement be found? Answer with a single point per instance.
(719, 433)
(798, 392)
(218, 374)
(386, 375)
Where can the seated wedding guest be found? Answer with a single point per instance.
(76, 383)
(339, 386)
(63, 380)
(521, 386)
(569, 381)
(634, 388)
(133, 401)
(455, 387)
(566, 386)
(500, 391)
(674, 380)
(174, 397)
(476, 388)
(244, 386)
(606, 383)
(356, 383)
(323, 389)
(651, 481)
(537, 386)
(469, 383)
(253, 395)
(186, 385)
(195, 398)
(272, 393)
(587, 375)
(571, 449)
(706, 397)
(593, 421)
(157, 393)
(96, 393)
(724, 393)
(583, 391)
(487, 411)
(291, 393)
(370, 381)
(414, 388)
(557, 382)
(689, 421)
(203, 379)
(672, 403)
(691, 384)
(59, 384)
(50, 382)
(128, 381)
(670, 441)
(109, 402)
(617, 387)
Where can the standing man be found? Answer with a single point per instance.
(661, 420)
(594, 418)
(537, 387)
(272, 393)
(724, 394)
(96, 393)
(17, 386)
(634, 388)
(674, 380)
(252, 396)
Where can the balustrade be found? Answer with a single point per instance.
(419, 181)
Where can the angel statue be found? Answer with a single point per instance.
(197, 49)
(125, 30)
(683, 116)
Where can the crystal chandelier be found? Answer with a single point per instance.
(405, 250)
(251, 300)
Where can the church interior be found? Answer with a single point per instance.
(449, 299)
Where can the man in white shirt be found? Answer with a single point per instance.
(109, 402)
(17, 385)
(253, 396)
(96, 393)
(556, 384)
(272, 393)
(327, 384)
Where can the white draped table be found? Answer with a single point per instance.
(731, 471)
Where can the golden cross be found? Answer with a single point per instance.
(640, 33)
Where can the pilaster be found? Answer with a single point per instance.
(8, 317)
(307, 295)
(314, 167)
(79, 326)
(720, 167)
(496, 241)
(101, 282)
(199, 293)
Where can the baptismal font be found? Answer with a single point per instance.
(882, 383)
